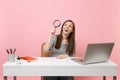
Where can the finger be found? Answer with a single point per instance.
(60, 57)
(53, 31)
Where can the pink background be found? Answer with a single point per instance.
(25, 24)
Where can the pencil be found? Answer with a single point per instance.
(14, 50)
(7, 51)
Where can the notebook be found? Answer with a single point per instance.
(96, 53)
(28, 58)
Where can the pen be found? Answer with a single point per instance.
(11, 51)
(7, 51)
(14, 50)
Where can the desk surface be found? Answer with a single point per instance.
(54, 67)
(53, 62)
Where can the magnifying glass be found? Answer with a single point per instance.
(56, 23)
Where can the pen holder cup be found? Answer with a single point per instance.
(11, 58)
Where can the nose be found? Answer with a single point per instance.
(67, 27)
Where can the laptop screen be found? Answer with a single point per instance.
(98, 52)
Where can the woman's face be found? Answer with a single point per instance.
(67, 28)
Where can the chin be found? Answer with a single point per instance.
(65, 33)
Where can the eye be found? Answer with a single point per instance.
(70, 26)
(65, 24)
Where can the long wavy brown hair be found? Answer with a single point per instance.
(71, 39)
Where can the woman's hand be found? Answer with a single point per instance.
(47, 43)
(62, 56)
(53, 30)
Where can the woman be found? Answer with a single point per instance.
(61, 46)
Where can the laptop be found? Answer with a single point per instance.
(96, 53)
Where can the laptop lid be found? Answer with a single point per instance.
(98, 52)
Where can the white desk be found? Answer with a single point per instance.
(59, 67)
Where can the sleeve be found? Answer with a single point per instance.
(52, 43)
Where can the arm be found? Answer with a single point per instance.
(65, 55)
(47, 44)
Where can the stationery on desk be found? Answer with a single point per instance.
(28, 58)
(11, 55)
(11, 51)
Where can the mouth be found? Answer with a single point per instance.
(66, 30)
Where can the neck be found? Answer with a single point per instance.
(64, 36)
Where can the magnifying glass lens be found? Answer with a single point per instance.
(56, 23)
